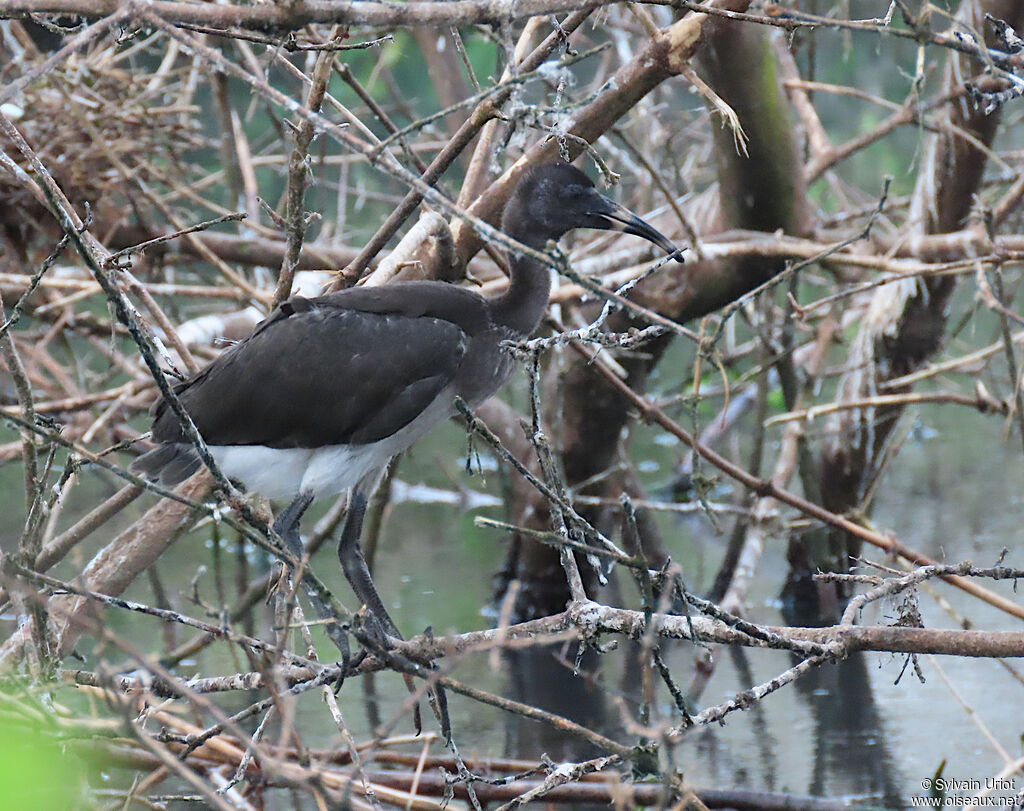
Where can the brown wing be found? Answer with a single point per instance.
(314, 375)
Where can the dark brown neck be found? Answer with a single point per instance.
(521, 307)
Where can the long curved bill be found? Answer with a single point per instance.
(620, 218)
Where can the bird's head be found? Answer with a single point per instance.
(555, 198)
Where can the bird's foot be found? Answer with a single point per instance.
(381, 635)
(347, 666)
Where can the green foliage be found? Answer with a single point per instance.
(36, 772)
(776, 400)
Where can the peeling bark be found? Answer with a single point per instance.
(905, 322)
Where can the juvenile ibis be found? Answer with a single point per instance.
(326, 390)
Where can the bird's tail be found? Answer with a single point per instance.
(168, 464)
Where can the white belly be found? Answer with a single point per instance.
(286, 472)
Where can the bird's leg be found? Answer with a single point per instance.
(286, 525)
(358, 574)
(354, 564)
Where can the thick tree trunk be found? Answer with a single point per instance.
(905, 322)
(760, 190)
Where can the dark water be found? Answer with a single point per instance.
(847, 730)
(866, 728)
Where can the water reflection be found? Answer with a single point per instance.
(851, 751)
(833, 726)
(766, 742)
(539, 676)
